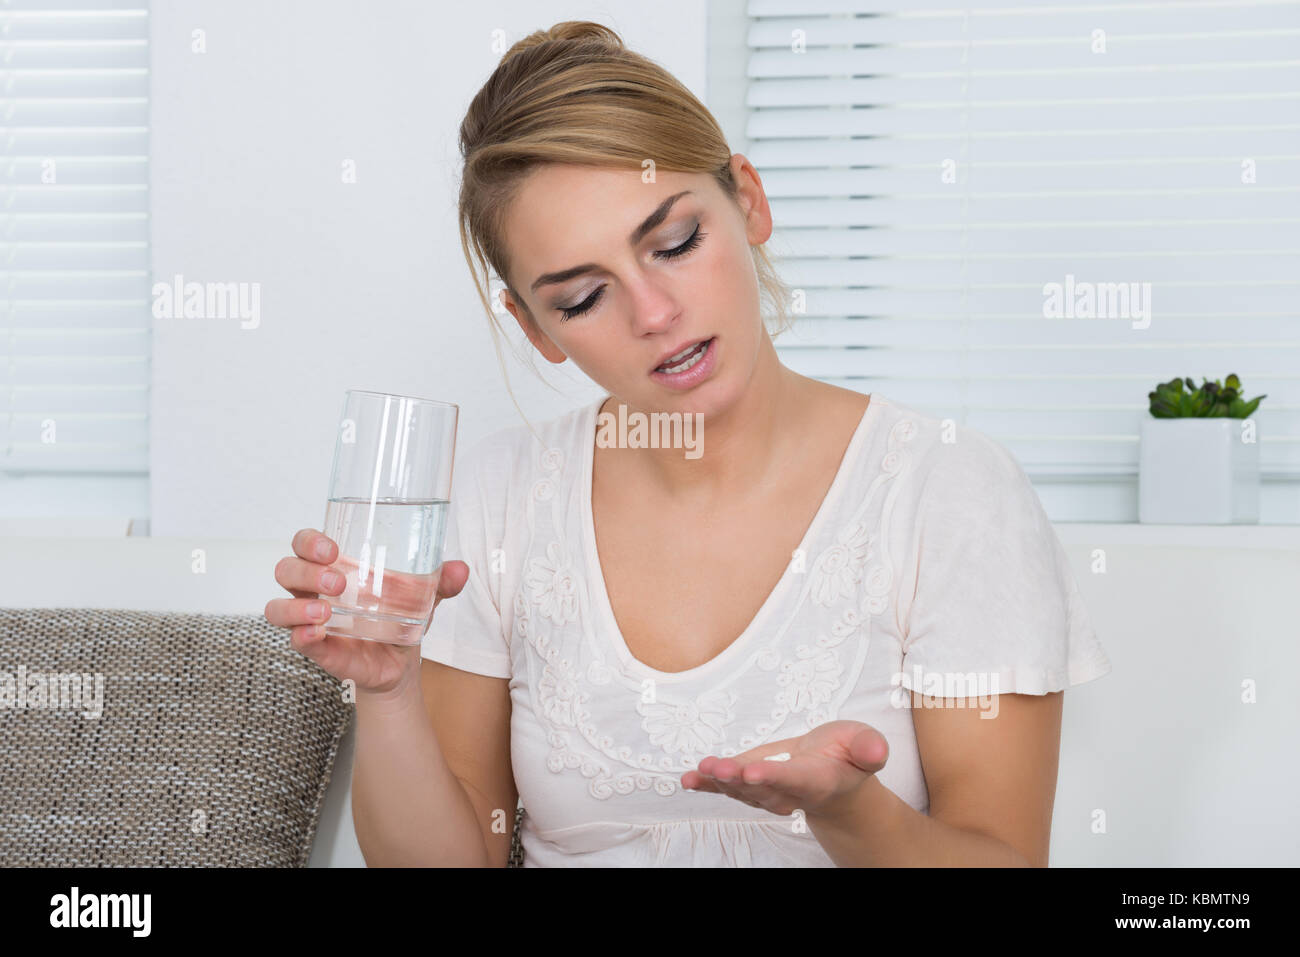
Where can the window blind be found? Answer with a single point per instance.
(75, 314)
(933, 168)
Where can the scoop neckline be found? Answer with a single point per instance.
(596, 574)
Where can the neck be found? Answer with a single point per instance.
(742, 446)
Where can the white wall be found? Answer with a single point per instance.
(362, 285)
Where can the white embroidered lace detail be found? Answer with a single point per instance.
(575, 677)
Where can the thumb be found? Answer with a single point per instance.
(454, 575)
(869, 750)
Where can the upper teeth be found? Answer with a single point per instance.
(667, 365)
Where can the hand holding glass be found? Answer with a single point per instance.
(388, 499)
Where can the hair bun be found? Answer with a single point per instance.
(569, 30)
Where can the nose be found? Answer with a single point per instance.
(654, 308)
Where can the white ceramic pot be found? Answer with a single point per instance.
(1197, 472)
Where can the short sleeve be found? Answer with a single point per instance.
(466, 630)
(993, 592)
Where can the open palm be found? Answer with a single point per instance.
(825, 768)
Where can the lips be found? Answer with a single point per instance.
(685, 372)
(678, 355)
(683, 358)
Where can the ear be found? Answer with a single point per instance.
(535, 335)
(753, 200)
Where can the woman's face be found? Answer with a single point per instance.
(621, 274)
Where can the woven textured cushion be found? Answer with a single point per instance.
(516, 858)
(214, 747)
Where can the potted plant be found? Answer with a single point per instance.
(1199, 455)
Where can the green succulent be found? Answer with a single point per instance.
(1213, 399)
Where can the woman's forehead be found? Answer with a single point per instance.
(561, 185)
(563, 208)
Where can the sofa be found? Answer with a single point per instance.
(1176, 758)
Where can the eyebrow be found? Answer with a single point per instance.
(650, 222)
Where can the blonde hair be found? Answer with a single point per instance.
(574, 94)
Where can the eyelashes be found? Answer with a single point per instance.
(684, 248)
(590, 302)
(583, 306)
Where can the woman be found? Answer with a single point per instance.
(699, 659)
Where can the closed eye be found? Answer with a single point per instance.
(583, 306)
(684, 248)
(590, 302)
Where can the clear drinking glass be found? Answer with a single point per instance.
(388, 498)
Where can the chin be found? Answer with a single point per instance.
(710, 398)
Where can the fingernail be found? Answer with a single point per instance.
(316, 609)
(322, 549)
(332, 581)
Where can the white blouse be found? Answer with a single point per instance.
(929, 559)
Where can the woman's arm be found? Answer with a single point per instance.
(432, 777)
(992, 783)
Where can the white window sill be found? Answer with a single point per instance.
(1208, 536)
(90, 526)
(1070, 533)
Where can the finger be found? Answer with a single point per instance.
(308, 640)
(411, 591)
(453, 578)
(756, 796)
(726, 770)
(405, 592)
(707, 765)
(292, 612)
(309, 578)
(773, 776)
(695, 781)
(706, 776)
(724, 775)
(759, 783)
(312, 545)
(869, 750)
